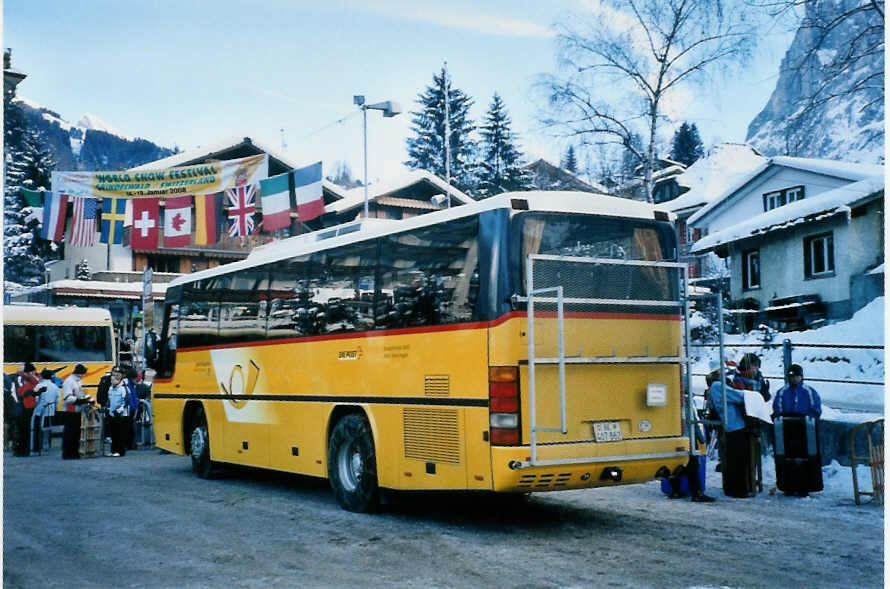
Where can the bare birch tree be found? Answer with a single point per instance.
(622, 62)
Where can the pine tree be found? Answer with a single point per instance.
(426, 150)
(28, 164)
(686, 146)
(500, 167)
(570, 162)
(82, 270)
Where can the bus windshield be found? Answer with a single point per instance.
(56, 343)
(588, 236)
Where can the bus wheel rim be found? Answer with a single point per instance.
(349, 462)
(197, 442)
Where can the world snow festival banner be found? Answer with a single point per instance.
(201, 178)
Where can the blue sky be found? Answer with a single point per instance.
(192, 73)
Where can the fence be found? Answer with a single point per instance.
(787, 352)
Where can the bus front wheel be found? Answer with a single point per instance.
(352, 464)
(200, 445)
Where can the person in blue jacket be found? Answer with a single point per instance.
(797, 398)
(737, 475)
(796, 412)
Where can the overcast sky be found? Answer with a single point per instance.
(193, 73)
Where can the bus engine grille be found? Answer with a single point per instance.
(432, 435)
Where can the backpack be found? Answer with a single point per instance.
(102, 392)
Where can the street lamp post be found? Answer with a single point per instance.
(390, 109)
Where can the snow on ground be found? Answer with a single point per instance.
(866, 327)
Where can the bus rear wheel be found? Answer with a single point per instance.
(200, 445)
(352, 464)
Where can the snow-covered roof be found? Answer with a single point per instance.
(99, 289)
(355, 197)
(207, 151)
(727, 167)
(838, 169)
(536, 200)
(820, 206)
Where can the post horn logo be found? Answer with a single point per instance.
(237, 388)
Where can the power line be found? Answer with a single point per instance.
(328, 125)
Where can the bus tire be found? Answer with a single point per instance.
(352, 464)
(199, 447)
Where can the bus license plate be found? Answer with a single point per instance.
(607, 431)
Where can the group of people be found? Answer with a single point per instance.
(795, 405)
(27, 394)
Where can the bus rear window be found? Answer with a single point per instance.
(56, 343)
(588, 236)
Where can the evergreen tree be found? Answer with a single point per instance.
(500, 168)
(686, 146)
(426, 150)
(570, 162)
(82, 270)
(28, 164)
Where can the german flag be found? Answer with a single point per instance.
(208, 212)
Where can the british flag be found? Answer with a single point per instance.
(242, 206)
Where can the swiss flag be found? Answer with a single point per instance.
(178, 221)
(146, 216)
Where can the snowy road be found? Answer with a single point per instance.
(144, 521)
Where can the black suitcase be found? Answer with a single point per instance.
(798, 461)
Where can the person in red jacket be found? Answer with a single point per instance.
(25, 381)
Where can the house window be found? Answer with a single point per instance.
(818, 255)
(777, 198)
(751, 269)
(162, 263)
(772, 200)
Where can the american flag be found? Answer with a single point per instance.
(83, 223)
(242, 206)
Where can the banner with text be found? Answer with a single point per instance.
(201, 179)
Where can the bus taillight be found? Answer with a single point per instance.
(503, 405)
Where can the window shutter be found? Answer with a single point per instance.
(807, 262)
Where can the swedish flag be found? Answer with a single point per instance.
(113, 210)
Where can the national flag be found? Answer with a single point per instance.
(307, 188)
(113, 212)
(208, 212)
(34, 200)
(178, 221)
(275, 192)
(241, 209)
(55, 207)
(146, 216)
(83, 222)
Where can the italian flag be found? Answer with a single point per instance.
(275, 193)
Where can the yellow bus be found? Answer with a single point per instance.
(59, 338)
(529, 342)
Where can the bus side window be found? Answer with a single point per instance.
(432, 275)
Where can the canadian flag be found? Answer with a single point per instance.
(146, 214)
(178, 221)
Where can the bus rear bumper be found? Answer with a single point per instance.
(513, 471)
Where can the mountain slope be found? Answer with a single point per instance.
(91, 144)
(828, 101)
